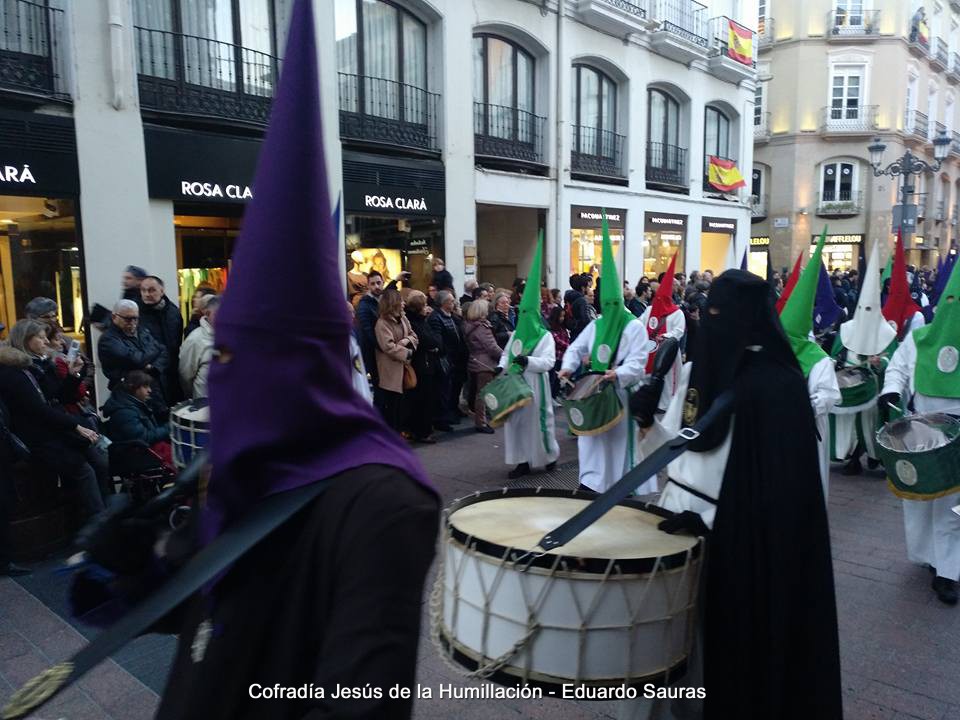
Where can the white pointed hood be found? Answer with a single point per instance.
(868, 333)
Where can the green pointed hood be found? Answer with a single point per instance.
(530, 327)
(938, 346)
(887, 271)
(614, 314)
(797, 315)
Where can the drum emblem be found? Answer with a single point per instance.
(490, 400)
(576, 417)
(516, 348)
(947, 359)
(603, 354)
(906, 472)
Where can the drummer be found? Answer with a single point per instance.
(530, 438)
(925, 368)
(864, 340)
(615, 344)
(797, 320)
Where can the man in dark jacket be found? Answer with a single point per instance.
(161, 317)
(576, 316)
(368, 311)
(130, 282)
(126, 346)
(452, 368)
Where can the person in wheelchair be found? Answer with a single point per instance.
(141, 442)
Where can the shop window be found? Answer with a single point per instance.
(658, 248)
(382, 60)
(40, 256)
(204, 250)
(504, 89)
(838, 182)
(594, 98)
(586, 249)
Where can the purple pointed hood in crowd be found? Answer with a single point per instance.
(283, 409)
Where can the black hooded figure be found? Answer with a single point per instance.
(770, 634)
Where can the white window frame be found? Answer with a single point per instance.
(854, 181)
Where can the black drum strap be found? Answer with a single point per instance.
(660, 458)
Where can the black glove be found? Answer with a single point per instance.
(522, 361)
(884, 402)
(497, 370)
(687, 521)
(644, 402)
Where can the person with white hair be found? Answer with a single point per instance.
(126, 346)
(196, 353)
(469, 287)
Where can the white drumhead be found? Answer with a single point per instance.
(521, 522)
(200, 414)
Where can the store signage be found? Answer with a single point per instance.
(15, 174)
(214, 190)
(392, 200)
(584, 217)
(760, 242)
(655, 222)
(718, 225)
(418, 246)
(385, 202)
(838, 239)
(781, 222)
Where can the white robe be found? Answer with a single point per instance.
(845, 423)
(676, 327)
(529, 431)
(824, 394)
(606, 457)
(932, 528)
(358, 372)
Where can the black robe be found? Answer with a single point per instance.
(771, 650)
(332, 597)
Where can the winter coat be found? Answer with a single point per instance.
(368, 311)
(196, 354)
(33, 419)
(165, 324)
(426, 358)
(451, 339)
(119, 353)
(483, 348)
(502, 328)
(443, 280)
(391, 354)
(129, 420)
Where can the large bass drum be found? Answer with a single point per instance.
(921, 454)
(616, 606)
(189, 430)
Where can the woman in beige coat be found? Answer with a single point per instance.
(396, 342)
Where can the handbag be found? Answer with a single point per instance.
(409, 377)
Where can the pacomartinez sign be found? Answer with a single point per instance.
(583, 216)
(656, 222)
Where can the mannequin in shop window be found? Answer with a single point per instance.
(378, 263)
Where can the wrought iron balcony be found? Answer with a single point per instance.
(939, 55)
(840, 203)
(617, 16)
(761, 127)
(725, 61)
(682, 33)
(188, 75)
(765, 33)
(955, 145)
(939, 128)
(850, 120)
(597, 152)
(507, 133)
(940, 211)
(849, 25)
(953, 72)
(917, 124)
(667, 167)
(31, 53)
(758, 206)
(382, 111)
(919, 43)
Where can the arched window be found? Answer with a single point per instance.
(382, 60)
(665, 158)
(716, 133)
(594, 98)
(838, 181)
(503, 89)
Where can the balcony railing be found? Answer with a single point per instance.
(31, 53)
(849, 119)
(847, 24)
(940, 54)
(683, 18)
(940, 211)
(758, 205)
(383, 111)
(839, 203)
(938, 129)
(955, 145)
(917, 124)
(667, 165)
(597, 152)
(765, 32)
(761, 126)
(918, 41)
(718, 30)
(198, 76)
(508, 133)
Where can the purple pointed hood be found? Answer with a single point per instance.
(825, 309)
(283, 409)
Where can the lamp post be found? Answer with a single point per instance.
(908, 165)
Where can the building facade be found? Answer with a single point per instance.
(129, 134)
(834, 74)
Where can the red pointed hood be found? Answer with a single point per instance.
(663, 304)
(900, 307)
(791, 283)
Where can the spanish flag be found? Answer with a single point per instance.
(724, 175)
(740, 44)
(923, 31)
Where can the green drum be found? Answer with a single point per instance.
(921, 454)
(593, 405)
(505, 394)
(858, 388)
